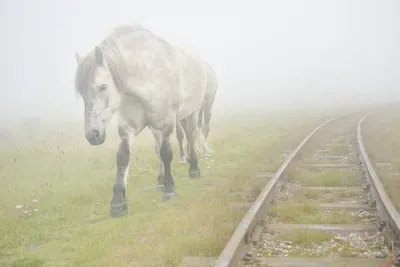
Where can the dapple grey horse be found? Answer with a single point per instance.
(204, 114)
(147, 82)
(205, 110)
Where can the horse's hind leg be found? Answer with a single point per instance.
(190, 129)
(118, 205)
(158, 141)
(166, 157)
(180, 134)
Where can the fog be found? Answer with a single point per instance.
(267, 54)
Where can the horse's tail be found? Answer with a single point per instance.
(200, 142)
(202, 148)
(200, 119)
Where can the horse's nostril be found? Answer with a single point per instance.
(95, 137)
(96, 134)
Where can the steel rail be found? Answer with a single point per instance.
(390, 217)
(235, 249)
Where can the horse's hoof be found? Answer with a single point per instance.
(168, 196)
(160, 187)
(182, 160)
(194, 173)
(118, 210)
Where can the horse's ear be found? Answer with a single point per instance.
(99, 55)
(78, 58)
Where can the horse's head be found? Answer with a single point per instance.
(94, 82)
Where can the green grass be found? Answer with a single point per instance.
(306, 213)
(326, 177)
(73, 184)
(327, 196)
(381, 132)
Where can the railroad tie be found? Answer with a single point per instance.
(318, 262)
(335, 228)
(331, 165)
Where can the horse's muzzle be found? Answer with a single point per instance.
(95, 137)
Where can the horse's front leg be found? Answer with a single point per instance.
(118, 205)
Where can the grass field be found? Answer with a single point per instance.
(64, 185)
(381, 133)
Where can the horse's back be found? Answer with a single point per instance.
(152, 68)
(211, 85)
(193, 81)
(166, 79)
(125, 29)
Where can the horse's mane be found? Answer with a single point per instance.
(85, 71)
(87, 65)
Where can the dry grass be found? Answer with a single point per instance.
(381, 131)
(73, 184)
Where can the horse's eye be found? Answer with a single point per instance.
(103, 87)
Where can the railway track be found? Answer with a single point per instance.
(325, 206)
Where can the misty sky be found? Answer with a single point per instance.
(265, 53)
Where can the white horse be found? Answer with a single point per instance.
(204, 114)
(206, 111)
(147, 82)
